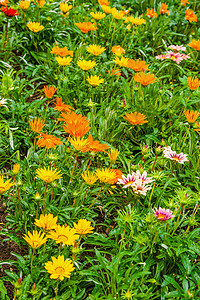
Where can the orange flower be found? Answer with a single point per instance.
(198, 125)
(61, 51)
(118, 50)
(48, 141)
(118, 175)
(193, 83)
(137, 66)
(191, 116)
(190, 16)
(86, 26)
(104, 2)
(94, 146)
(163, 9)
(145, 79)
(135, 21)
(195, 44)
(107, 9)
(135, 118)
(97, 16)
(37, 125)
(151, 13)
(114, 72)
(61, 106)
(76, 125)
(117, 14)
(184, 2)
(4, 2)
(49, 91)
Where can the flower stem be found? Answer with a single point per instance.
(96, 198)
(73, 169)
(185, 137)
(154, 163)
(172, 171)
(89, 163)
(32, 259)
(6, 34)
(57, 288)
(120, 248)
(176, 225)
(45, 194)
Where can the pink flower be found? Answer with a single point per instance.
(127, 181)
(162, 57)
(180, 158)
(143, 176)
(175, 56)
(140, 187)
(163, 214)
(177, 48)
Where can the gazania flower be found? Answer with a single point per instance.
(5, 185)
(117, 14)
(184, 2)
(145, 79)
(49, 91)
(24, 4)
(137, 65)
(143, 177)
(198, 125)
(95, 49)
(163, 9)
(48, 175)
(107, 9)
(40, 3)
(104, 2)
(98, 15)
(122, 62)
(95, 80)
(35, 26)
(64, 235)
(78, 143)
(36, 239)
(113, 155)
(177, 48)
(86, 26)
(118, 50)
(140, 187)
(4, 2)
(191, 116)
(163, 214)
(118, 175)
(37, 124)
(195, 44)
(179, 158)
(190, 16)
(9, 12)
(75, 125)
(86, 64)
(115, 72)
(48, 141)
(135, 21)
(151, 13)
(47, 222)
(135, 118)
(65, 7)
(61, 106)
(106, 175)
(16, 169)
(83, 227)
(90, 178)
(94, 146)
(64, 61)
(59, 268)
(193, 83)
(61, 51)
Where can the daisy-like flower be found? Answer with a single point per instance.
(75, 125)
(47, 222)
(61, 51)
(179, 158)
(49, 91)
(61, 106)
(163, 9)
(97, 15)
(117, 14)
(184, 2)
(104, 2)
(151, 13)
(90, 178)
(15, 169)
(135, 118)
(122, 62)
(24, 4)
(145, 79)
(83, 227)
(195, 44)
(113, 155)
(64, 7)
(9, 12)
(86, 26)
(5, 185)
(64, 235)
(40, 3)
(140, 187)
(4, 2)
(163, 214)
(107, 9)
(193, 83)
(190, 16)
(94, 146)
(95, 80)
(127, 181)
(64, 61)
(177, 48)
(37, 124)
(137, 65)
(191, 116)
(36, 239)
(143, 177)
(59, 268)
(198, 125)
(118, 50)
(95, 49)
(48, 141)
(35, 26)
(118, 175)
(78, 143)
(86, 64)
(48, 175)
(135, 21)
(106, 175)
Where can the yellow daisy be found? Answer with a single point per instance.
(83, 227)
(36, 239)
(59, 268)
(47, 222)
(48, 175)
(64, 235)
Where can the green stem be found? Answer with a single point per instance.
(113, 33)
(122, 238)
(6, 34)
(45, 194)
(73, 169)
(96, 198)
(176, 225)
(185, 137)
(154, 241)
(57, 288)
(32, 259)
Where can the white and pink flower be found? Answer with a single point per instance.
(140, 187)
(163, 214)
(177, 48)
(127, 181)
(179, 158)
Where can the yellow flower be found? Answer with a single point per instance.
(117, 14)
(37, 125)
(78, 142)
(65, 7)
(59, 268)
(135, 21)
(36, 239)
(98, 15)
(95, 80)
(4, 186)
(83, 227)
(15, 169)
(46, 222)
(48, 175)
(113, 154)
(191, 116)
(64, 61)
(107, 9)
(106, 175)
(90, 178)
(64, 235)
(86, 65)
(118, 50)
(95, 49)
(24, 4)
(122, 62)
(35, 26)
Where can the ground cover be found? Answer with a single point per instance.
(99, 150)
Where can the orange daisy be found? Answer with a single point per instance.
(49, 91)
(61, 51)
(145, 79)
(195, 44)
(191, 116)
(135, 118)
(75, 125)
(137, 65)
(193, 83)
(163, 9)
(151, 13)
(94, 146)
(37, 124)
(86, 26)
(48, 141)
(61, 106)
(190, 16)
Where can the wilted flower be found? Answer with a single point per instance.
(115, 72)
(15, 169)
(59, 268)
(163, 214)
(35, 26)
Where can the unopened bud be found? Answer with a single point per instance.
(37, 196)
(18, 283)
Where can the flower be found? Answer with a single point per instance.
(9, 12)
(48, 141)
(184, 2)
(135, 179)
(117, 14)
(175, 56)
(65, 7)
(86, 64)
(198, 125)
(95, 80)
(163, 9)
(115, 72)
(64, 61)
(61, 51)
(107, 9)
(137, 65)
(24, 4)
(118, 50)
(113, 154)
(98, 15)
(122, 62)
(90, 178)
(163, 214)
(15, 169)
(40, 3)
(191, 116)
(47, 222)
(5, 185)
(195, 44)
(83, 227)
(145, 79)
(48, 175)
(135, 21)
(151, 13)
(104, 2)
(61, 106)
(86, 26)
(179, 158)
(177, 48)
(95, 49)
(118, 175)
(94, 146)
(106, 175)
(78, 143)
(75, 125)
(4, 2)
(190, 16)
(59, 268)
(35, 26)
(64, 235)
(193, 83)
(36, 239)
(135, 118)
(140, 187)
(37, 124)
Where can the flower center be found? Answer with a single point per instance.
(60, 270)
(63, 238)
(161, 217)
(175, 158)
